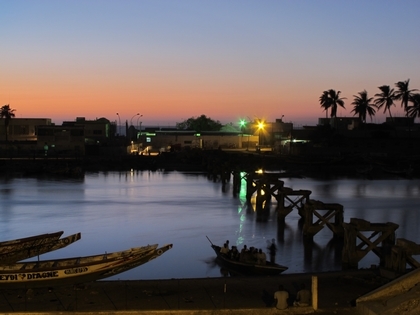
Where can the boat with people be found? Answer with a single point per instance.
(77, 270)
(247, 267)
(13, 253)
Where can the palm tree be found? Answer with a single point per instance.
(404, 93)
(414, 109)
(7, 113)
(331, 99)
(324, 101)
(335, 100)
(385, 99)
(363, 105)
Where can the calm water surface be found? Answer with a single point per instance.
(116, 211)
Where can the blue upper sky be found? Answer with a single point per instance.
(170, 60)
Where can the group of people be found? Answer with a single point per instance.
(247, 255)
(281, 297)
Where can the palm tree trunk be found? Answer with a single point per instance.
(392, 120)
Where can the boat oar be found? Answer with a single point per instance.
(209, 240)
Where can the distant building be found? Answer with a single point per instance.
(72, 137)
(177, 139)
(341, 123)
(22, 129)
(98, 131)
(279, 132)
(82, 136)
(402, 123)
(61, 140)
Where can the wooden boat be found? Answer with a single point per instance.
(403, 172)
(33, 249)
(76, 270)
(245, 268)
(28, 242)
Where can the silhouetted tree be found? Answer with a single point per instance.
(335, 101)
(199, 124)
(385, 99)
(324, 101)
(404, 93)
(331, 100)
(363, 105)
(7, 113)
(414, 109)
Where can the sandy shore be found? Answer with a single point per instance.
(337, 292)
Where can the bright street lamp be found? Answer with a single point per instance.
(261, 126)
(242, 124)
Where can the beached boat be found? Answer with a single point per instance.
(76, 270)
(403, 172)
(245, 268)
(28, 242)
(31, 249)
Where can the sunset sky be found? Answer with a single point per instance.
(175, 59)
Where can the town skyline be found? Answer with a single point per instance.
(172, 60)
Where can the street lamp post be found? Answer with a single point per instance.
(139, 123)
(119, 124)
(131, 125)
(131, 121)
(241, 126)
(260, 127)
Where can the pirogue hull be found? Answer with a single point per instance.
(28, 242)
(31, 249)
(77, 270)
(242, 268)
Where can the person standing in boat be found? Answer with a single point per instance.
(272, 249)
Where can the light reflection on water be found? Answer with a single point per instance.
(116, 211)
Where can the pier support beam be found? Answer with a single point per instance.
(237, 179)
(285, 204)
(327, 214)
(381, 233)
(401, 255)
(265, 185)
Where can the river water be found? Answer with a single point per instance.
(115, 211)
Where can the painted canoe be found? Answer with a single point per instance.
(77, 270)
(38, 248)
(28, 242)
(244, 268)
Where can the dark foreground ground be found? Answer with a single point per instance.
(337, 292)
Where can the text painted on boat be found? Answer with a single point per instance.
(30, 276)
(75, 270)
(41, 275)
